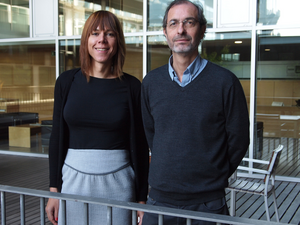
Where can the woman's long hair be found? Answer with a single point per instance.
(103, 20)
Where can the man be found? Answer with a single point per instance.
(196, 121)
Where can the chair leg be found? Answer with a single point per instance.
(267, 208)
(287, 148)
(232, 202)
(275, 205)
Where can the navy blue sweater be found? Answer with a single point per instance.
(197, 134)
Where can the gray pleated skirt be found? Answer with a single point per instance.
(98, 173)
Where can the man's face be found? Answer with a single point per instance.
(183, 38)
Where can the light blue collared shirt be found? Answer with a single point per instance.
(193, 70)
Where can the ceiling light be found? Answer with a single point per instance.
(238, 42)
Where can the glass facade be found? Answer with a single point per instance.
(158, 52)
(134, 53)
(14, 18)
(27, 77)
(278, 88)
(68, 54)
(73, 14)
(231, 50)
(261, 46)
(277, 12)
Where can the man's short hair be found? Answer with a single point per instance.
(201, 18)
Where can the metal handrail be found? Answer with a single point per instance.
(134, 207)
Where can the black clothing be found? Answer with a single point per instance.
(97, 114)
(59, 141)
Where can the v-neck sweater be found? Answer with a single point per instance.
(197, 134)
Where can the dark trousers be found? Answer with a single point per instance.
(218, 206)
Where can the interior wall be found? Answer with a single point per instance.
(269, 91)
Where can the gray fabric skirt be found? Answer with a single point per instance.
(98, 173)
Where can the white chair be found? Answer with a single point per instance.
(266, 188)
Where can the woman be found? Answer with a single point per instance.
(97, 146)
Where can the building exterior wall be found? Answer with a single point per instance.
(258, 40)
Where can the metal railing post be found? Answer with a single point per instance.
(109, 215)
(188, 221)
(134, 217)
(63, 212)
(160, 219)
(22, 209)
(86, 213)
(42, 210)
(3, 209)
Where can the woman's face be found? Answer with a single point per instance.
(102, 46)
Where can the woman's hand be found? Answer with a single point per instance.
(140, 214)
(52, 208)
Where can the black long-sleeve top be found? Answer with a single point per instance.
(59, 140)
(97, 113)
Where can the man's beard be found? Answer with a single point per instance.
(182, 48)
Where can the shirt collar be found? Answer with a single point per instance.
(192, 69)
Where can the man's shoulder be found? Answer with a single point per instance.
(156, 74)
(219, 71)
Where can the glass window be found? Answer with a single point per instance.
(134, 56)
(229, 17)
(278, 92)
(14, 18)
(158, 52)
(229, 50)
(27, 78)
(68, 54)
(73, 14)
(278, 12)
(157, 9)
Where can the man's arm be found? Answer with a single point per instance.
(237, 125)
(147, 117)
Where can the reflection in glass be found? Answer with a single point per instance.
(278, 12)
(73, 14)
(229, 50)
(134, 57)
(158, 52)
(278, 82)
(278, 60)
(26, 71)
(157, 10)
(68, 54)
(14, 19)
(27, 78)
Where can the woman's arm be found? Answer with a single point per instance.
(52, 208)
